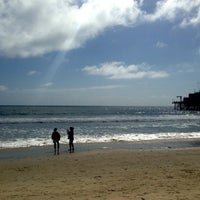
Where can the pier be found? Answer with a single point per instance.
(192, 102)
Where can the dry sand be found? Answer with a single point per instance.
(104, 174)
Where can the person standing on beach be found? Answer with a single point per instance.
(56, 138)
(70, 133)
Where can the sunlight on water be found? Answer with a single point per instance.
(23, 126)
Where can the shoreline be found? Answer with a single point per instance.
(114, 174)
(40, 151)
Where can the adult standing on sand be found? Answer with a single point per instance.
(56, 138)
(70, 133)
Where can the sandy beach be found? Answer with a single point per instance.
(104, 174)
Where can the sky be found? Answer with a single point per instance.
(98, 52)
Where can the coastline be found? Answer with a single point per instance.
(114, 174)
(40, 151)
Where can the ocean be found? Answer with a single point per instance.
(29, 126)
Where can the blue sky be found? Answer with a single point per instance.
(98, 52)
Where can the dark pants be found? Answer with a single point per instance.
(71, 145)
(56, 146)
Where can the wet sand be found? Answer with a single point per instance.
(104, 174)
(36, 151)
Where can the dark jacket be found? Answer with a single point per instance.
(55, 135)
(70, 133)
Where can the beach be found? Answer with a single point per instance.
(150, 174)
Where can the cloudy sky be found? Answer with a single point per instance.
(98, 52)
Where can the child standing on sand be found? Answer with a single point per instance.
(56, 138)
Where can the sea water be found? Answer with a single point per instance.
(26, 126)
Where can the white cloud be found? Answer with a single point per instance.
(198, 51)
(105, 87)
(161, 45)
(83, 89)
(118, 70)
(3, 88)
(30, 28)
(184, 68)
(47, 84)
(31, 73)
(186, 11)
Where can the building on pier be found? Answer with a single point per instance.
(192, 102)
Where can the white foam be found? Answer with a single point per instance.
(99, 139)
(24, 143)
(137, 137)
(109, 118)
